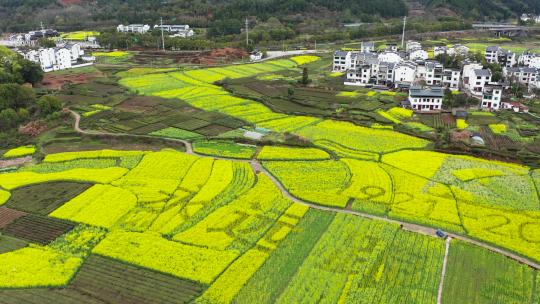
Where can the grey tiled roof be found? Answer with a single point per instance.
(483, 72)
(426, 92)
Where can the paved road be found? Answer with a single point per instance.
(257, 167)
(278, 54)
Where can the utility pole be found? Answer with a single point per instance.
(247, 32)
(162, 39)
(403, 36)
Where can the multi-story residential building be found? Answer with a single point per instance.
(458, 50)
(392, 57)
(133, 28)
(451, 79)
(54, 59)
(362, 70)
(418, 54)
(495, 54)
(412, 45)
(480, 78)
(75, 51)
(523, 75)
(470, 78)
(434, 73)
(455, 50)
(426, 99)
(385, 73)
(342, 61)
(491, 97)
(360, 76)
(176, 30)
(525, 58)
(534, 62)
(440, 50)
(405, 73)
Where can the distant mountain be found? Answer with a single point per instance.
(481, 9)
(19, 15)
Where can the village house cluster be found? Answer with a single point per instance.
(66, 56)
(411, 69)
(182, 31)
(31, 38)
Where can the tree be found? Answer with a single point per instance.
(49, 104)
(46, 43)
(31, 72)
(305, 76)
(8, 119)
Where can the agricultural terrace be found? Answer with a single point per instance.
(166, 225)
(373, 170)
(197, 89)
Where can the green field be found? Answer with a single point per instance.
(136, 217)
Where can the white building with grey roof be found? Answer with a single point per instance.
(495, 54)
(425, 99)
(133, 28)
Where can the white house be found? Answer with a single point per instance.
(458, 50)
(412, 45)
(440, 50)
(526, 57)
(133, 28)
(54, 59)
(405, 73)
(475, 78)
(75, 51)
(256, 55)
(523, 75)
(360, 76)
(426, 99)
(342, 61)
(495, 54)
(451, 79)
(534, 62)
(392, 57)
(491, 97)
(176, 30)
(385, 73)
(434, 73)
(418, 54)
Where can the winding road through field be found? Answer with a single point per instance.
(257, 167)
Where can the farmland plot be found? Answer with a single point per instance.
(476, 275)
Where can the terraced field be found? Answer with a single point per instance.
(230, 223)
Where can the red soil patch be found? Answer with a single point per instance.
(33, 128)
(56, 82)
(216, 56)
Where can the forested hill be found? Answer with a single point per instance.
(19, 15)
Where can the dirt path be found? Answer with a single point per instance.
(257, 167)
(6, 163)
(443, 273)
